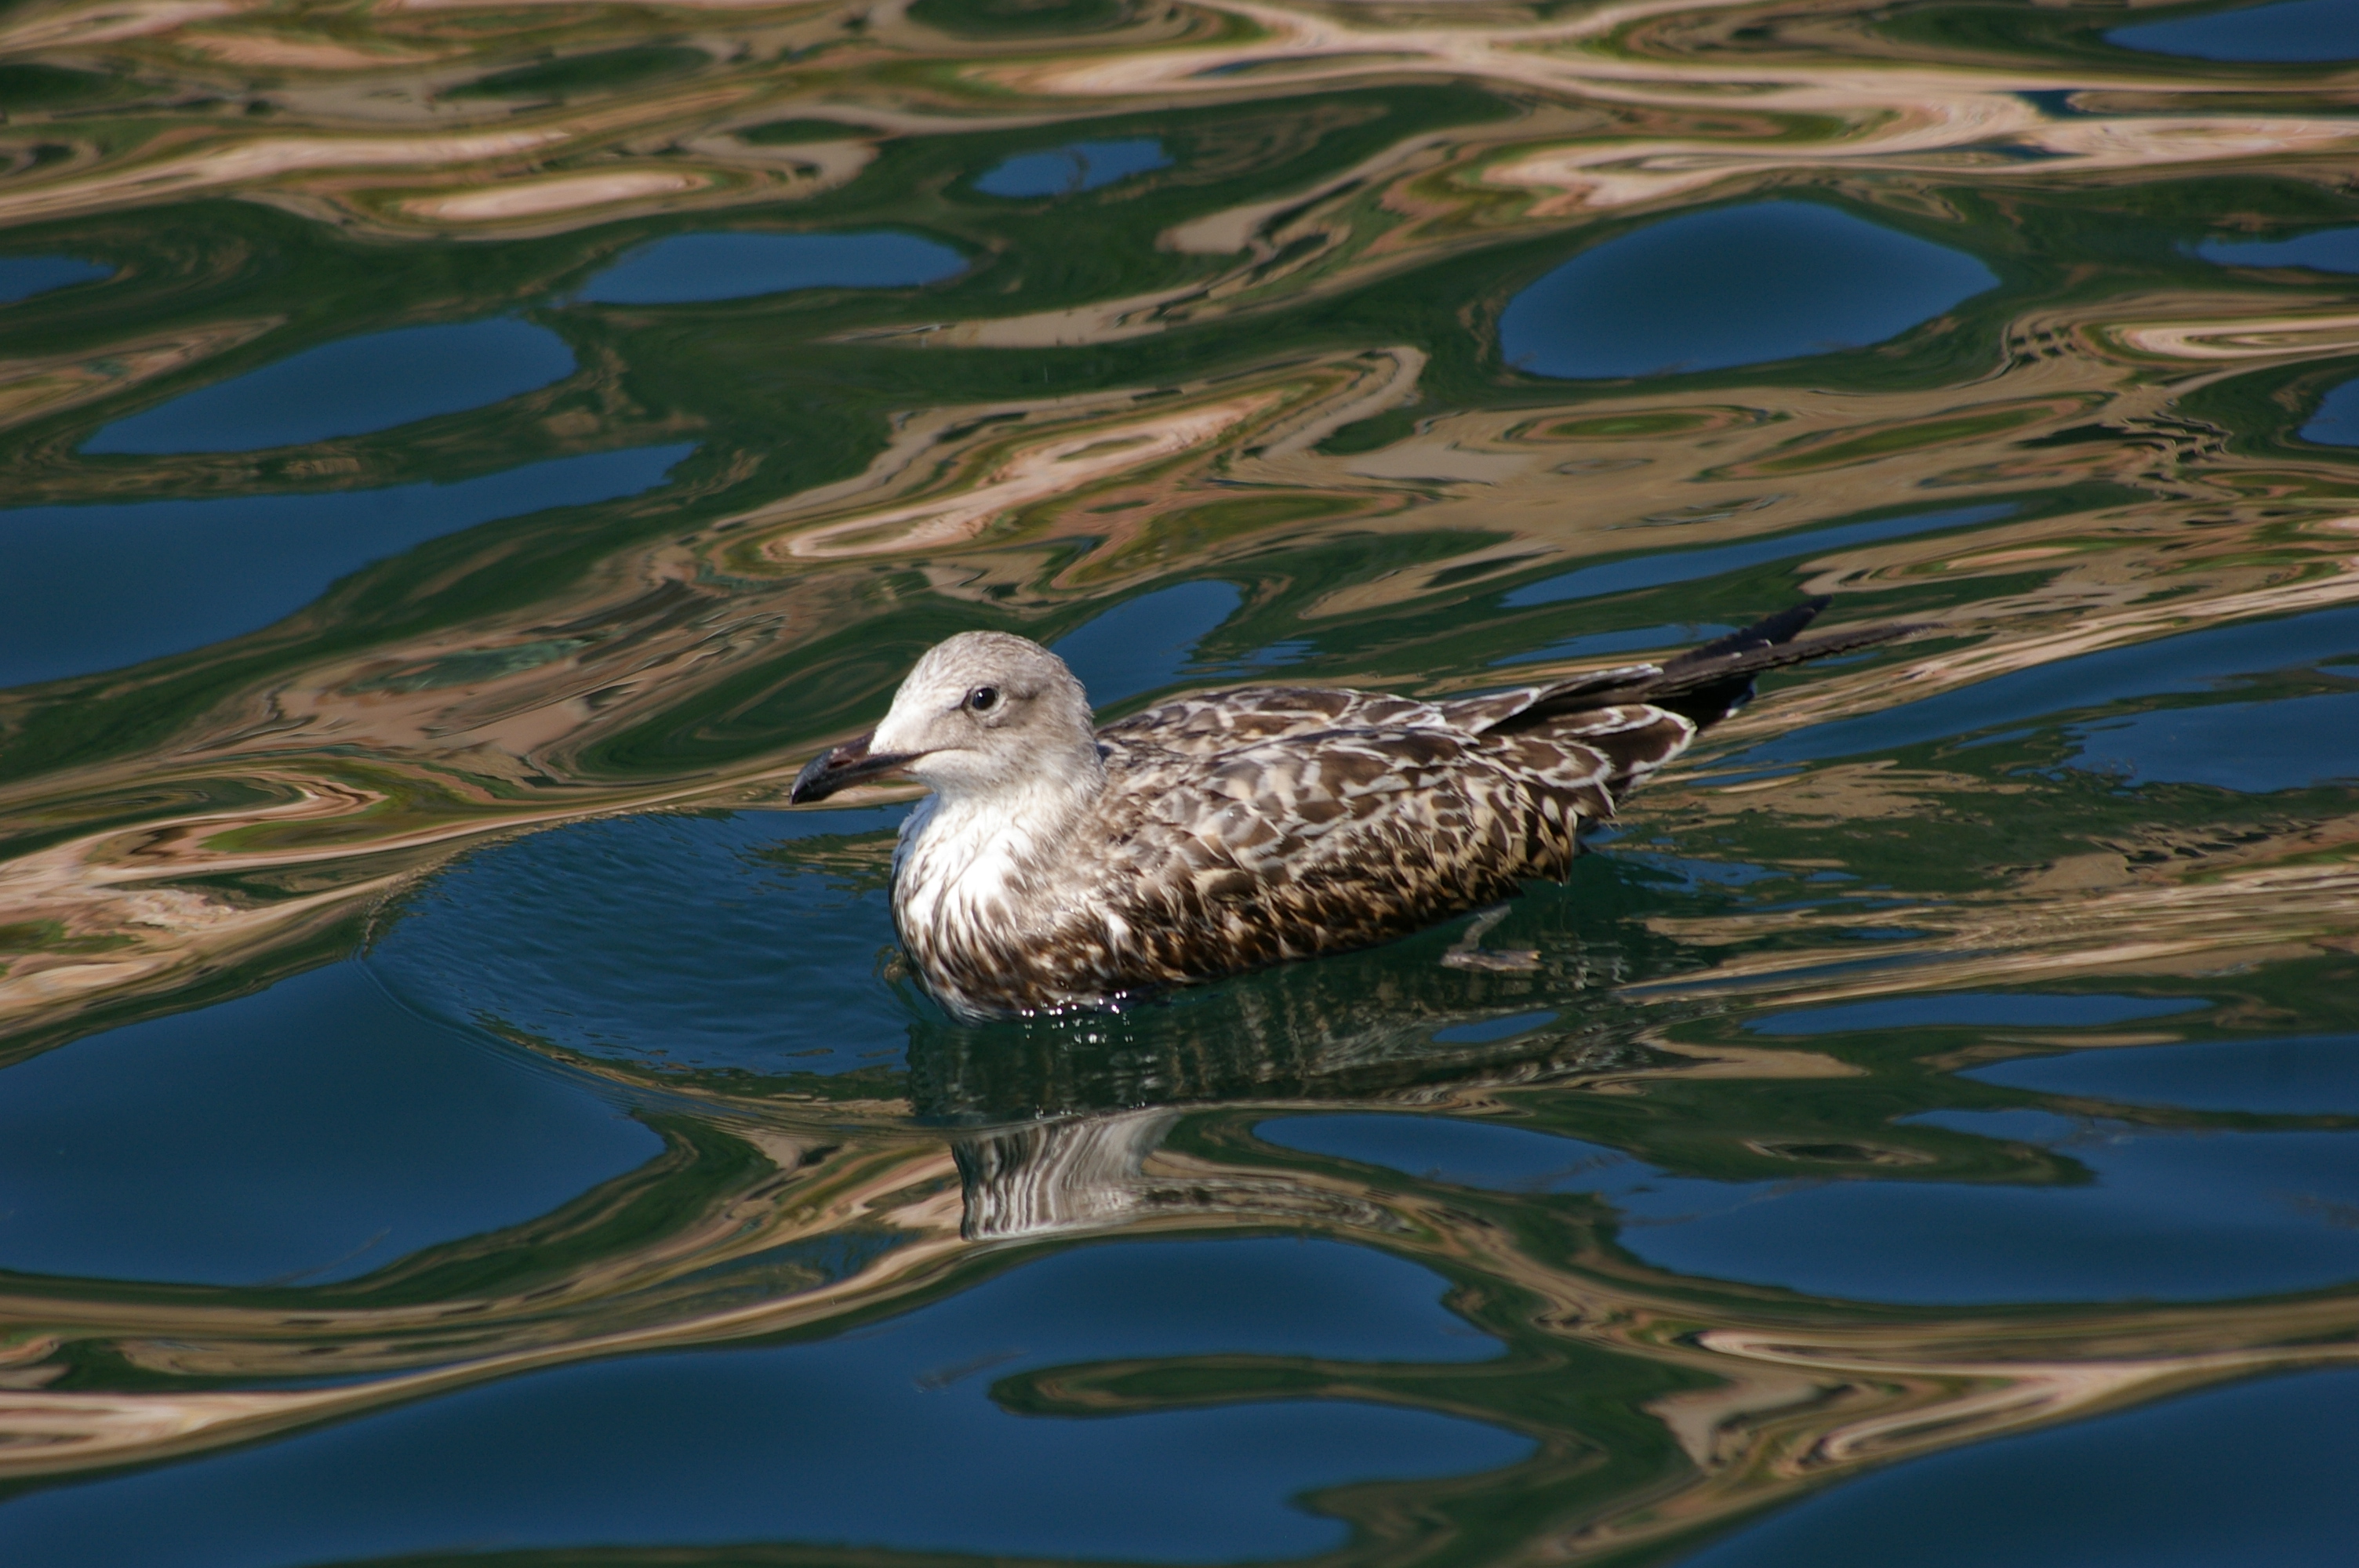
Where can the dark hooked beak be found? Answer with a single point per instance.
(847, 765)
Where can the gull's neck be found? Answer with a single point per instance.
(968, 848)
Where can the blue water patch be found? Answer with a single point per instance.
(1701, 873)
(21, 277)
(2171, 1215)
(1262, 660)
(1081, 166)
(351, 388)
(2315, 1075)
(2336, 423)
(1463, 1152)
(1951, 1010)
(707, 941)
(2332, 250)
(1146, 642)
(96, 588)
(1490, 1029)
(309, 1133)
(2295, 31)
(690, 268)
(2257, 1474)
(2254, 748)
(887, 1438)
(1767, 280)
(2190, 661)
(1634, 572)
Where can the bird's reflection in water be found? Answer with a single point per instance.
(1520, 992)
(1058, 1116)
(1076, 1173)
(1281, 1040)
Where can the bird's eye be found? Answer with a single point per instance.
(983, 698)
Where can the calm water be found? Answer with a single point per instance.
(463, 460)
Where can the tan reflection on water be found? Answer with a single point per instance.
(420, 767)
(348, 775)
(1795, 1400)
(1827, 102)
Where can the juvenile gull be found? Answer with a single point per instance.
(1058, 865)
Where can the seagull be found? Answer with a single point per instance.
(1059, 866)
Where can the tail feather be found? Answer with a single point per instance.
(1707, 684)
(1769, 631)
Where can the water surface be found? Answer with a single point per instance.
(2289, 31)
(21, 277)
(98, 587)
(2332, 250)
(2245, 1472)
(464, 463)
(1733, 286)
(351, 388)
(2336, 422)
(688, 267)
(311, 1134)
(889, 1439)
(1068, 170)
(2306, 1075)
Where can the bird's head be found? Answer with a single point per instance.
(982, 714)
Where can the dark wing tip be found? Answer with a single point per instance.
(1766, 632)
(1709, 683)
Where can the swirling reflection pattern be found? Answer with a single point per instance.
(464, 456)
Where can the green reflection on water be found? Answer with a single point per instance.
(1272, 364)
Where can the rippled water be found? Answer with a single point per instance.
(463, 459)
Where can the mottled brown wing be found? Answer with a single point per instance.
(1211, 723)
(1337, 840)
(1476, 714)
(1634, 738)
